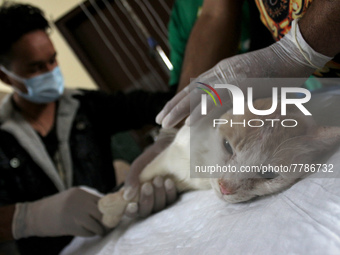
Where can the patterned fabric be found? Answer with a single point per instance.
(277, 16)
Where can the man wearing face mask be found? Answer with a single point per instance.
(55, 142)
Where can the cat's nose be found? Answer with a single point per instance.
(225, 190)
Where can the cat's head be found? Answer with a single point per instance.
(248, 150)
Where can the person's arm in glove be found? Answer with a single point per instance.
(72, 212)
(156, 195)
(291, 57)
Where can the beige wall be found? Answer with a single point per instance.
(74, 73)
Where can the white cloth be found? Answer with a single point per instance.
(304, 219)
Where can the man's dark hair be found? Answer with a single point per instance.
(17, 20)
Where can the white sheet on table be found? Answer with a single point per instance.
(304, 219)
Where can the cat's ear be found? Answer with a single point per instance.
(317, 143)
(327, 133)
(312, 147)
(324, 138)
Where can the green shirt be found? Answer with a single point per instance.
(182, 19)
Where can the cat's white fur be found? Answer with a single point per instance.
(251, 146)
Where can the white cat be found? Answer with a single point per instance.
(236, 146)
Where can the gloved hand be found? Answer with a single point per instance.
(72, 212)
(290, 57)
(156, 195)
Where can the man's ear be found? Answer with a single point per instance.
(4, 78)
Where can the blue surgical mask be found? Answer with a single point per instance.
(43, 88)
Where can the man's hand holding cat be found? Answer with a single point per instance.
(290, 57)
(71, 212)
(156, 195)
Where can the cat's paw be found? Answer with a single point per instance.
(112, 206)
(111, 221)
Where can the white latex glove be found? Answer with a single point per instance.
(291, 57)
(156, 195)
(72, 212)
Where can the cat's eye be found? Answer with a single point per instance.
(228, 147)
(268, 175)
